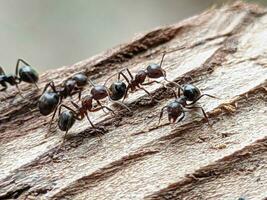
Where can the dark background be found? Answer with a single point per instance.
(49, 34)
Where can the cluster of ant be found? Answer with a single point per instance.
(52, 97)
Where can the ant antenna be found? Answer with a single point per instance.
(109, 78)
(164, 72)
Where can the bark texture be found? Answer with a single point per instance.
(223, 52)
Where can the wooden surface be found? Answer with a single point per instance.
(223, 52)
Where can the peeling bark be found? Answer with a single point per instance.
(223, 52)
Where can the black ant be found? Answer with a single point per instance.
(176, 107)
(25, 73)
(68, 117)
(50, 100)
(153, 71)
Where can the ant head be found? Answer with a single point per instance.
(99, 92)
(66, 120)
(117, 90)
(154, 71)
(140, 76)
(81, 79)
(191, 92)
(174, 110)
(87, 101)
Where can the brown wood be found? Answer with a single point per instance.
(223, 52)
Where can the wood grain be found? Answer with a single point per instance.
(223, 52)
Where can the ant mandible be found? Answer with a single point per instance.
(25, 73)
(50, 100)
(153, 71)
(68, 117)
(177, 106)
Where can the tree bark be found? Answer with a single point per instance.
(223, 52)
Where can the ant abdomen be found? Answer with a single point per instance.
(118, 90)
(191, 92)
(48, 102)
(28, 74)
(81, 79)
(66, 120)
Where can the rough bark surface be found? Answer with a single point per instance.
(223, 52)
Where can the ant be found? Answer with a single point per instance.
(153, 71)
(176, 107)
(68, 117)
(50, 100)
(25, 73)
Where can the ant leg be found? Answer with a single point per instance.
(174, 93)
(35, 84)
(129, 73)
(126, 93)
(201, 97)
(148, 83)
(93, 126)
(204, 113)
(64, 137)
(51, 85)
(54, 114)
(19, 92)
(50, 123)
(75, 105)
(109, 109)
(161, 113)
(124, 76)
(174, 83)
(87, 116)
(91, 82)
(68, 108)
(183, 113)
(151, 97)
(101, 106)
(79, 95)
(120, 103)
(151, 82)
